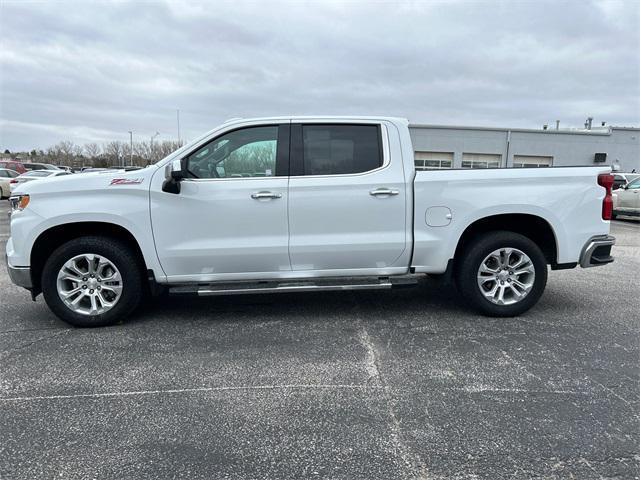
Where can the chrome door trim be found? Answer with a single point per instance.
(384, 191)
(259, 195)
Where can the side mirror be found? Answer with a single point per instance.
(173, 175)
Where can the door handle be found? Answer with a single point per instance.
(384, 191)
(259, 195)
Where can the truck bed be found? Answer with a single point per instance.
(447, 202)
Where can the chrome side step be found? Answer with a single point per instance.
(282, 286)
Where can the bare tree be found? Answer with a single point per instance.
(53, 154)
(167, 147)
(92, 150)
(66, 149)
(114, 152)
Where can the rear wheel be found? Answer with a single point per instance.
(92, 281)
(502, 274)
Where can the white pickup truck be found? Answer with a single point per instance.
(302, 203)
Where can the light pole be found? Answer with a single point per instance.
(151, 154)
(130, 148)
(178, 117)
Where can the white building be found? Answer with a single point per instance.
(440, 146)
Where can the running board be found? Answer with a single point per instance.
(285, 286)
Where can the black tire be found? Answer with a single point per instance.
(120, 254)
(477, 250)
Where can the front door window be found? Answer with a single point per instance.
(249, 152)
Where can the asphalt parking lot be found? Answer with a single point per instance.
(399, 384)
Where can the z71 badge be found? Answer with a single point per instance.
(126, 181)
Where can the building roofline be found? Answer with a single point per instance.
(521, 130)
(631, 129)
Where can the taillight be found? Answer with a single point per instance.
(606, 180)
(13, 180)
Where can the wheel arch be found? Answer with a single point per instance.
(52, 238)
(531, 226)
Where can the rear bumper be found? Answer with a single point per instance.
(21, 276)
(629, 213)
(597, 251)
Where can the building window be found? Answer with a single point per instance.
(481, 160)
(531, 161)
(433, 160)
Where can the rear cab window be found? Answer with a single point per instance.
(336, 149)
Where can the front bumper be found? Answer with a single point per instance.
(597, 251)
(21, 276)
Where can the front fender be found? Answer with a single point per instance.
(126, 208)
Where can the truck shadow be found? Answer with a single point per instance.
(430, 300)
(428, 297)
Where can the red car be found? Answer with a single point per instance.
(13, 165)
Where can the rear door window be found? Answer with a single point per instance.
(340, 149)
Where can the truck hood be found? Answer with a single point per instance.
(91, 181)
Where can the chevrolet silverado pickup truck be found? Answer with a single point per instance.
(297, 204)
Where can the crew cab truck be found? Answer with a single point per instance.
(301, 203)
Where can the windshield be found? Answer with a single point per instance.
(632, 177)
(634, 185)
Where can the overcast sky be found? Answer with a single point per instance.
(91, 71)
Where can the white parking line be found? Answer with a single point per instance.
(194, 390)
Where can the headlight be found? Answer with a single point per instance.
(19, 202)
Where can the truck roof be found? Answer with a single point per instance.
(318, 117)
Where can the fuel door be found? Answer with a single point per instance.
(438, 216)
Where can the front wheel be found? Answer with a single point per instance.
(92, 281)
(502, 274)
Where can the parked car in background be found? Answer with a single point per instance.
(622, 179)
(5, 177)
(93, 169)
(35, 175)
(14, 165)
(129, 168)
(30, 166)
(626, 200)
(51, 166)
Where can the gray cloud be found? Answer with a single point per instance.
(90, 71)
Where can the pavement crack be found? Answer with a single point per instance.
(371, 363)
(23, 330)
(611, 391)
(7, 353)
(411, 462)
(584, 461)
